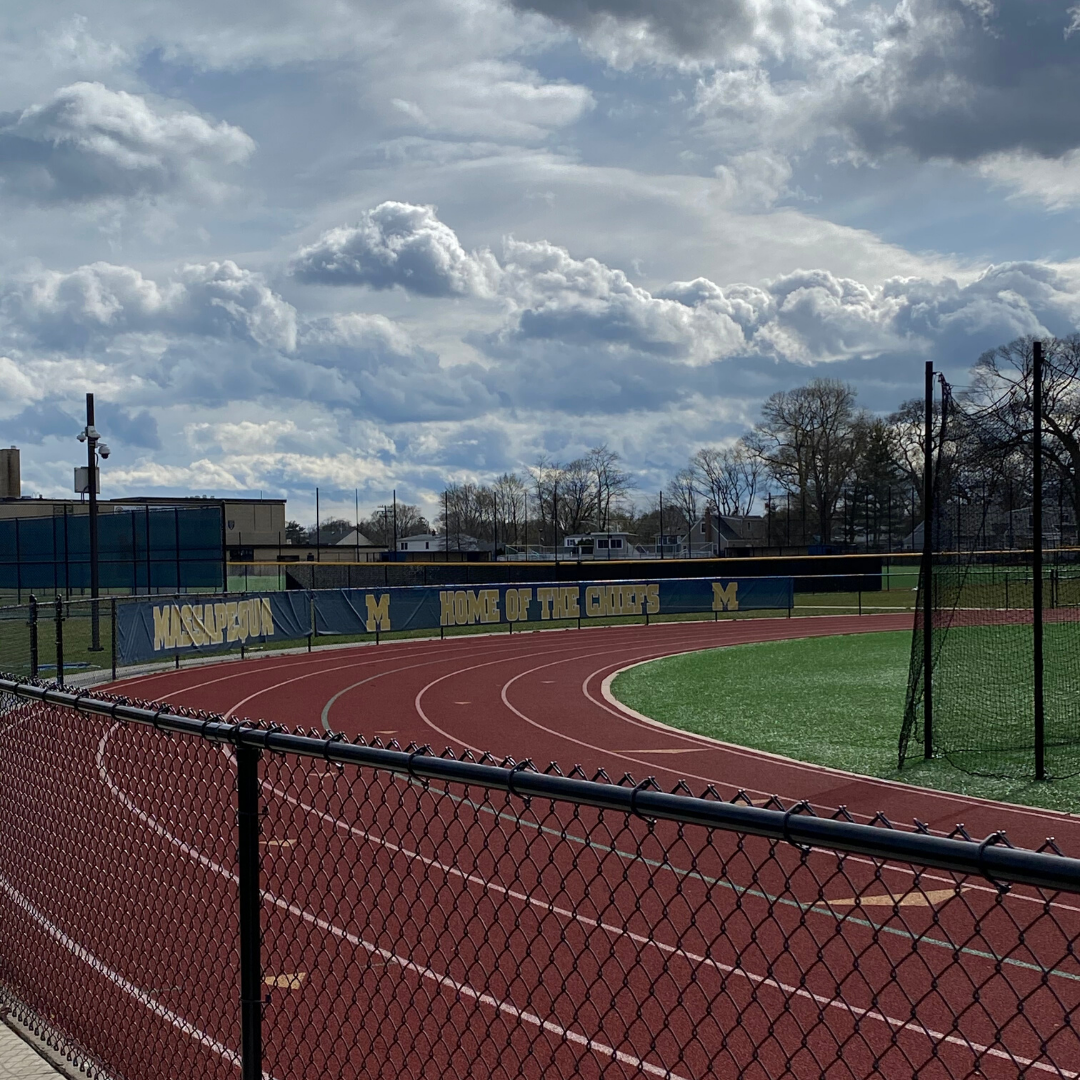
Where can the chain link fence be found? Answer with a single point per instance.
(184, 896)
(55, 637)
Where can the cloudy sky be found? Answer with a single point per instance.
(355, 244)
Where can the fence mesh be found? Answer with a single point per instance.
(118, 925)
(425, 928)
(981, 622)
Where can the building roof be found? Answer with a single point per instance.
(354, 538)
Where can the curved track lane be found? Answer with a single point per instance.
(544, 696)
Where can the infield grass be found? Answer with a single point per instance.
(835, 701)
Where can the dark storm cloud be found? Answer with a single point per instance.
(960, 79)
(700, 29)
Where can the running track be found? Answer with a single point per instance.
(544, 696)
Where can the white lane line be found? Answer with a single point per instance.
(687, 736)
(100, 967)
(128, 987)
(424, 972)
(612, 705)
(854, 1011)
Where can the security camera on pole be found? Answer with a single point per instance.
(94, 446)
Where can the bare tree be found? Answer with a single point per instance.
(577, 497)
(810, 441)
(729, 477)
(510, 491)
(682, 495)
(611, 482)
(1002, 386)
(379, 527)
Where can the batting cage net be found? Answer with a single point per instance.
(981, 578)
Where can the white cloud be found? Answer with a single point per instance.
(66, 310)
(493, 99)
(1055, 182)
(755, 180)
(87, 142)
(16, 386)
(397, 244)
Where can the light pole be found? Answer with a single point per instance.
(92, 437)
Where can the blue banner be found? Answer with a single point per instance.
(153, 628)
(360, 611)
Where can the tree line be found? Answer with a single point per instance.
(820, 467)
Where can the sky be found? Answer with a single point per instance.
(369, 247)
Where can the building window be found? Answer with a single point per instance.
(616, 542)
(601, 542)
(427, 545)
(703, 526)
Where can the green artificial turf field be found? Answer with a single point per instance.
(834, 701)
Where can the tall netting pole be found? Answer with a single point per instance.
(928, 567)
(1037, 558)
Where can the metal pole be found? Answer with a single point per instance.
(91, 463)
(60, 640)
(661, 529)
(356, 513)
(928, 565)
(18, 565)
(114, 635)
(395, 519)
(250, 902)
(33, 623)
(555, 519)
(1037, 558)
(318, 557)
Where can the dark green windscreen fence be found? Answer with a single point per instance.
(982, 583)
(141, 549)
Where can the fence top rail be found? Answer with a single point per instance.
(992, 858)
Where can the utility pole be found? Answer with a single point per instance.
(92, 438)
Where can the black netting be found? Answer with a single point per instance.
(981, 583)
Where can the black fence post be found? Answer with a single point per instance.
(928, 564)
(1037, 558)
(60, 640)
(250, 898)
(32, 622)
(113, 605)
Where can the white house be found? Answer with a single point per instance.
(602, 545)
(421, 542)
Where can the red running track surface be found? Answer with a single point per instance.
(541, 695)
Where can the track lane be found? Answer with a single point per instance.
(540, 695)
